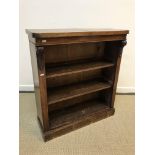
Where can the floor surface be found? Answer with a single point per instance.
(111, 136)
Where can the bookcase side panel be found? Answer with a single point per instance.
(113, 52)
(37, 60)
(118, 62)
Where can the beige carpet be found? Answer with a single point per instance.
(111, 136)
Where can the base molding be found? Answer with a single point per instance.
(125, 90)
(26, 88)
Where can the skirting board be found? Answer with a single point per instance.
(28, 88)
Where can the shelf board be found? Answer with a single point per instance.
(75, 90)
(76, 68)
(74, 117)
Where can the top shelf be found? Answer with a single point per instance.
(76, 68)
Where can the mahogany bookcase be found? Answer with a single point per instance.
(75, 73)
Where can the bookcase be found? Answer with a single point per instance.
(75, 73)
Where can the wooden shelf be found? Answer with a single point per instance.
(72, 91)
(76, 68)
(77, 116)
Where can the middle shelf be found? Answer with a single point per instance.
(75, 90)
(52, 72)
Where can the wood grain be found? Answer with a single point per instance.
(75, 74)
(75, 40)
(38, 66)
(76, 90)
(49, 33)
(72, 118)
(76, 68)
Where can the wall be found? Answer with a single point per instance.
(77, 14)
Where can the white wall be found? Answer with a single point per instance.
(77, 14)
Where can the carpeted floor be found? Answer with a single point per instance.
(111, 136)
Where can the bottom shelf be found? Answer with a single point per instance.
(74, 117)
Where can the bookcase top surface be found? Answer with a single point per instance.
(52, 33)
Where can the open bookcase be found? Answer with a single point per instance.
(75, 76)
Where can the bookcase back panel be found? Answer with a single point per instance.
(77, 100)
(73, 78)
(73, 52)
(100, 96)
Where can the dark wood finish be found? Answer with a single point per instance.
(75, 76)
(76, 68)
(118, 62)
(74, 117)
(82, 39)
(74, 53)
(50, 33)
(39, 78)
(78, 115)
(73, 101)
(76, 90)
